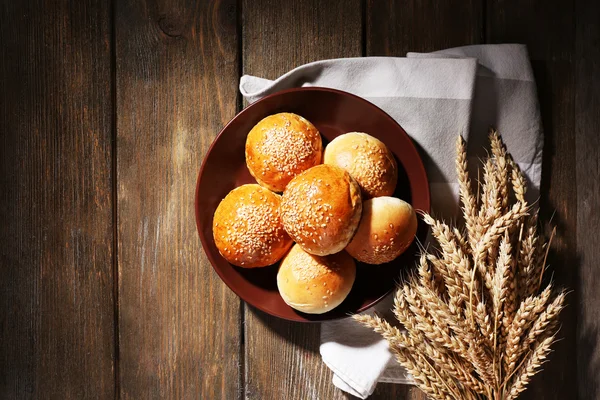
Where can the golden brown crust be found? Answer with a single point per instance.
(387, 227)
(321, 208)
(367, 159)
(247, 227)
(280, 147)
(314, 284)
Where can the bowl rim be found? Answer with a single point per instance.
(205, 241)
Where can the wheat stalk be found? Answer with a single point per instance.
(475, 322)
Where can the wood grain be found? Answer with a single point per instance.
(278, 36)
(179, 325)
(548, 29)
(587, 145)
(395, 27)
(56, 290)
(282, 358)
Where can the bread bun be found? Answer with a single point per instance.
(280, 147)
(367, 159)
(247, 227)
(321, 208)
(314, 284)
(387, 227)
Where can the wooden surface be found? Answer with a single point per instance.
(56, 211)
(179, 325)
(586, 264)
(107, 110)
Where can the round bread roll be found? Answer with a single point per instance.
(314, 284)
(367, 159)
(280, 147)
(247, 227)
(321, 209)
(387, 227)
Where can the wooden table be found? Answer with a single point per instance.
(106, 112)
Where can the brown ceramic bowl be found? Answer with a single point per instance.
(333, 112)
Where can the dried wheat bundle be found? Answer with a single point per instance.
(477, 323)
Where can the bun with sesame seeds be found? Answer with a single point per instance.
(315, 284)
(367, 159)
(321, 208)
(387, 227)
(280, 147)
(247, 227)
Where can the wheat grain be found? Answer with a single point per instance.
(499, 152)
(525, 316)
(530, 259)
(509, 289)
(405, 316)
(518, 181)
(546, 321)
(459, 369)
(531, 366)
(426, 378)
(433, 328)
(458, 270)
(467, 198)
(379, 325)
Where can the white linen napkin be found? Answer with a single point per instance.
(434, 97)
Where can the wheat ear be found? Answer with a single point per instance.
(469, 203)
(530, 367)
(499, 152)
(525, 316)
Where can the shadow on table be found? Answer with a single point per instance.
(307, 335)
(303, 335)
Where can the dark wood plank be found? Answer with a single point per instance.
(278, 36)
(282, 358)
(177, 72)
(56, 239)
(395, 27)
(548, 27)
(587, 143)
